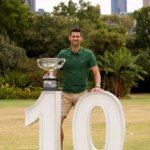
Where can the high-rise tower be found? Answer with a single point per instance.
(31, 3)
(118, 6)
(26, 2)
(146, 3)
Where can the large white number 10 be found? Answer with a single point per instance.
(48, 109)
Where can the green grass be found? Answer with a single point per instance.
(13, 103)
(15, 136)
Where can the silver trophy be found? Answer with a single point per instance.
(51, 65)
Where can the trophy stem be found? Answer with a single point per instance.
(51, 73)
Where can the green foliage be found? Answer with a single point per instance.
(100, 40)
(14, 17)
(84, 11)
(2, 81)
(30, 68)
(10, 55)
(47, 35)
(89, 12)
(12, 92)
(44, 37)
(142, 28)
(17, 79)
(125, 22)
(65, 10)
(139, 43)
(119, 71)
(144, 61)
(111, 19)
(117, 29)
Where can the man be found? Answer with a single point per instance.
(76, 70)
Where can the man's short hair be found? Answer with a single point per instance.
(76, 29)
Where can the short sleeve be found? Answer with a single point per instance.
(92, 60)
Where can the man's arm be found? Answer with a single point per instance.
(97, 78)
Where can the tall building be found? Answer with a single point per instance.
(41, 12)
(118, 6)
(31, 3)
(26, 2)
(146, 3)
(125, 13)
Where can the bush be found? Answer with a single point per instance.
(2, 81)
(120, 72)
(18, 80)
(12, 92)
(10, 55)
(31, 69)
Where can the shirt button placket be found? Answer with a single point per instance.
(73, 58)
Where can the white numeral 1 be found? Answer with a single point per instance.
(48, 109)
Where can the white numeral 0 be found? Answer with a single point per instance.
(115, 121)
(48, 109)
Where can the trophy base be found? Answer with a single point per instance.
(50, 84)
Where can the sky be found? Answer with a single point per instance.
(48, 5)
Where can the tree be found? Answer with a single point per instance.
(10, 55)
(47, 35)
(84, 11)
(44, 36)
(119, 71)
(125, 22)
(66, 10)
(144, 61)
(29, 67)
(14, 16)
(139, 43)
(89, 12)
(101, 40)
(142, 28)
(111, 19)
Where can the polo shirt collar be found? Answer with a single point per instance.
(79, 51)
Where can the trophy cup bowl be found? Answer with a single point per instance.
(50, 83)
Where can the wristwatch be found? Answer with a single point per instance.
(98, 86)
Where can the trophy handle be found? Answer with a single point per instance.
(62, 64)
(38, 60)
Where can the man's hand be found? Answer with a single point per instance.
(46, 75)
(97, 89)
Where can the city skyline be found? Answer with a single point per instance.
(146, 3)
(118, 6)
(32, 4)
(48, 5)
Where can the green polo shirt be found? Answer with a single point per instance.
(76, 69)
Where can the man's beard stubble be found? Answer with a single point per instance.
(75, 45)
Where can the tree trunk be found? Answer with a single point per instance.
(35, 78)
(116, 87)
(108, 83)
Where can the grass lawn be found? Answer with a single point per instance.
(15, 136)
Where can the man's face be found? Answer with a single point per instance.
(75, 38)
